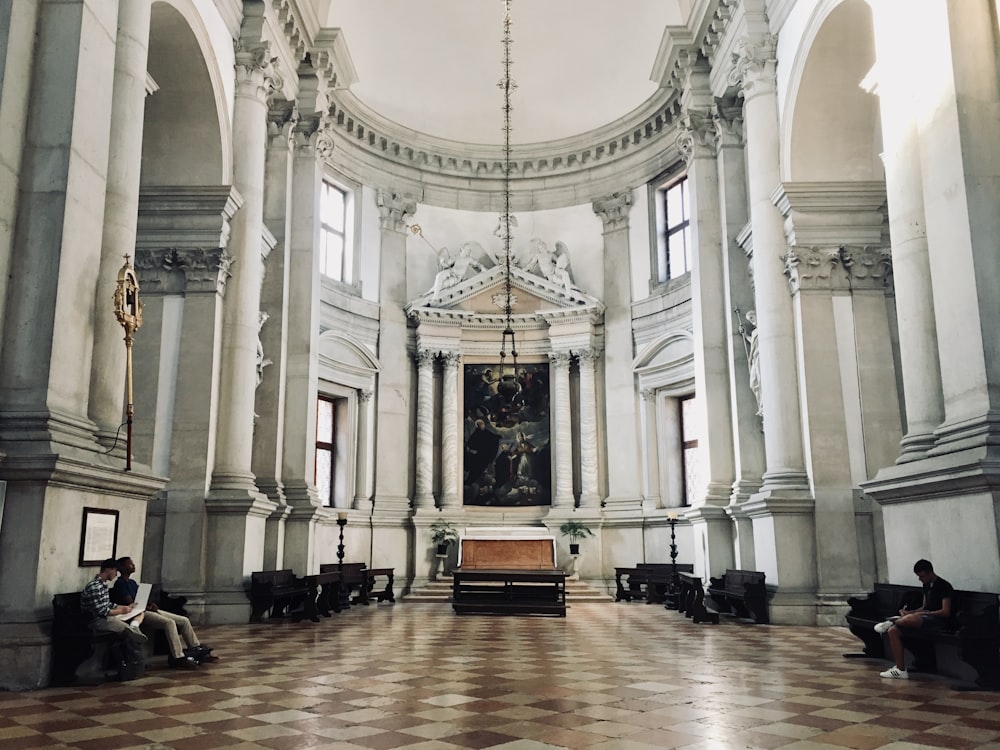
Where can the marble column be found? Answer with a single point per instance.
(590, 491)
(363, 474)
(313, 146)
(450, 420)
(898, 52)
(107, 380)
(237, 510)
(562, 496)
(782, 511)
(423, 496)
(394, 448)
(619, 397)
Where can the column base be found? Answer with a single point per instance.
(713, 540)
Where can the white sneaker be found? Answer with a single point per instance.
(882, 627)
(895, 673)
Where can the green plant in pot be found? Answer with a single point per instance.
(575, 530)
(443, 534)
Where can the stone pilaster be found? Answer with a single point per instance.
(748, 440)
(363, 481)
(562, 495)
(107, 379)
(423, 496)
(590, 491)
(395, 379)
(619, 396)
(651, 499)
(450, 420)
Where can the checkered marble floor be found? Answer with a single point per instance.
(622, 676)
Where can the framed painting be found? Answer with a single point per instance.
(507, 451)
(99, 537)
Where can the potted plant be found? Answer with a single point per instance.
(575, 530)
(443, 534)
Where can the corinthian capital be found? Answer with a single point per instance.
(815, 268)
(256, 71)
(754, 64)
(393, 209)
(868, 267)
(281, 118)
(559, 359)
(728, 118)
(697, 136)
(613, 210)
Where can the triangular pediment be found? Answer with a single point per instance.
(485, 294)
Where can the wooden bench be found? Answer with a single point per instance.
(360, 580)
(649, 581)
(275, 593)
(691, 599)
(973, 633)
(520, 591)
(741, 593)
(73, 641)
(323, 597)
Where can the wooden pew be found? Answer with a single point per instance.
(276, 593)
(973, 633)
(691, 599)
(741, 593)
(73, 642)
(649, 581)
(360, 580)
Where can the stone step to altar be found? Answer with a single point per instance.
(440, 591)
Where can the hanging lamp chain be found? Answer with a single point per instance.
(507, 84)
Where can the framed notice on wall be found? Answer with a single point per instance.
(99, 538)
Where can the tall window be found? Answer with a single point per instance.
(693, 469)
(326, 448)
(673, 258)
(335, 259)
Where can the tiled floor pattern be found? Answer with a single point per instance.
(622, 676)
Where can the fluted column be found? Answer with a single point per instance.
(423, 496)
(776, 335)
(590, 491)
(255, 79)
(620, 398)
(363, 478)
(562, 496)
(449, 430)
(107, 379)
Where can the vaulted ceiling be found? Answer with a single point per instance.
(433, 65)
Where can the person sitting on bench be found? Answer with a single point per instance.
(186, 651)
(95, 602)
(934, 613)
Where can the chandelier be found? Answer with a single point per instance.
(508, 385)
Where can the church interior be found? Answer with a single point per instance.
(287, 281)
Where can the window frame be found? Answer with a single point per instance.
(351, 256)
(661, 277)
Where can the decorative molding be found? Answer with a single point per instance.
(589, 356)
(282, 117)
(450, 360)
(614, 210)
(728, 116)
(365, 395)
(424, 358)
(812, 268)
(559, 359)
(868, 267)
(754, 65)
(698, 136)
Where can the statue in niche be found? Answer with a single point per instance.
(262, 362)
(753, 354)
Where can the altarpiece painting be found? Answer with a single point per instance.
(507, 448)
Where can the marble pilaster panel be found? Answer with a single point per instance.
(423, 496)
(590, 492)
(650, 451)
(365, 443)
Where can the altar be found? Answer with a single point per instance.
(500, 548)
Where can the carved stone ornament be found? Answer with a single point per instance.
(588, 356)
(202, 269)
(868, 267)
(256, 71)
(809, 268)
(559, 359)
(393, 209)
(728, 118)
(613, 210)
(450, 359)
(697, 137)
(281, 119)
(754, 64)
(364, 395)
(425, 358)
(648, 394)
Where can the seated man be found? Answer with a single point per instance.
(186, 652)
(96, 602)
(934, 613)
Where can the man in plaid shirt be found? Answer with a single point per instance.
(95, 601)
